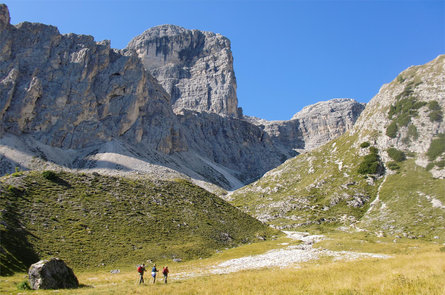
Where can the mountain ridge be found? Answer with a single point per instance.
(70, 93)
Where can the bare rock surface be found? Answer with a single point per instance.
(195, 67)
(52, 274)
(314, 125)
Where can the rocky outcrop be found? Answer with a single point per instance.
(71, 92)
(326, 120)
(315, 125)
(52, 274)
(244, 148)
(195, 67)
(407, 114)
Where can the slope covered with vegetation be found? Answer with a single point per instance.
(93, 220)
(386, 175)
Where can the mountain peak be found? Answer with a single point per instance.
(194, 67)
(4, 16)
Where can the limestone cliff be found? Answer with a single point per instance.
(69, 102)
(314, 125)
(69, 91)
(195, 67)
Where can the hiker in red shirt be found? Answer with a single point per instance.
(141, 270)
(165, 273)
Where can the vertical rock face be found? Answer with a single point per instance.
(326, 120)
(52, 274)
(314, 125)
(194, 67)
(69, 91)
(244, 148)
(4, 16)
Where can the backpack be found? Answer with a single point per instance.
(140, 269)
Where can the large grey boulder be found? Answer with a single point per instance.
(194, 67)
(52, 274)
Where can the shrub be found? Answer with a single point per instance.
(429, 166)
(392, 130)
(50, 175)
(373, 150)
(434, 106)
(412, 131)
(393, 166)
(437, 147)
(364, 144)
(370, 164)
(440, 164)
(396, 155)
(436, 116)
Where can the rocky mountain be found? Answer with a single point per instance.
(69, 102)
(194, 67)
(385, 175)
(314, 125)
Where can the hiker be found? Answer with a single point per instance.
(154, 270)
(141, 270)
(165, 273)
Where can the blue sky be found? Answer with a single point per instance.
(287, 54)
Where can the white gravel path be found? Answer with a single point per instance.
(288, 256)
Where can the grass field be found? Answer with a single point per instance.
(416, 267)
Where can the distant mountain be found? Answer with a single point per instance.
(385, 175)
(68, 102)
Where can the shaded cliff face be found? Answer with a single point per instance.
(194, 67)
(71, 92)
(244, 148)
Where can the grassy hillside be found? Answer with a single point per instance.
(322, 187)
(97, 221)
(385, 175)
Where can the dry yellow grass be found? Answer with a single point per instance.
(422, 271)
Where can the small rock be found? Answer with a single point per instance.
(115, 271)
(177, 259)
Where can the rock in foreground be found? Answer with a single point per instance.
(52, 274)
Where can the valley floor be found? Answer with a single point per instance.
(300, 263)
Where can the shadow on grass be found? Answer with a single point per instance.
(16, 252)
